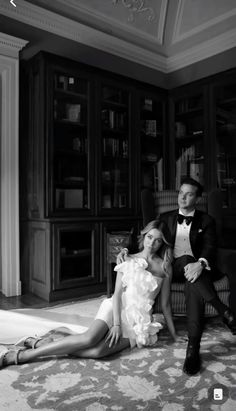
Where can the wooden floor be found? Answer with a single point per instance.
(32, 301)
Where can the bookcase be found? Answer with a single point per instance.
(70, 134)
(151, 130)
(87, 140)
(189, 132)
(224, 115)
(201, 138)
(116, 146)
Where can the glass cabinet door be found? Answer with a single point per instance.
(189, 131)
(70, 145)
(76, 255)
(151, 143)
(115, 148)
(225, 100)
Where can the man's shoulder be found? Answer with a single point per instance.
(204, 216)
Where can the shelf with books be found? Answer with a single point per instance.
(189, 137)
(225, 109)
(115, 147)
(114, 119)
(70, 84)
(151, 141)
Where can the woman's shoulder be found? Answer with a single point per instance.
(134, 260)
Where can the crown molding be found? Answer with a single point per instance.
(162, 21)
(203, 51)
(177, 36)
(10, 46)
(48, 21)
(43, 19)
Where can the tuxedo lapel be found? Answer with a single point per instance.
(195, 227)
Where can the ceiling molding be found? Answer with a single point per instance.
(177, 36)
(54, 23)
(203, 51)
(10, 46)
(162, 21)
(43, 19)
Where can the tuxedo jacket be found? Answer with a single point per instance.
(202, 234)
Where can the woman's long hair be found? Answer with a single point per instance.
(165, 251)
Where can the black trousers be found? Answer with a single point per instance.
(232, 294)
(196, 294)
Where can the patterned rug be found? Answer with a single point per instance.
(141, 379)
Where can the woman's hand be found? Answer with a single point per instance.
(180, 339)
(113, 335)
(121, 257)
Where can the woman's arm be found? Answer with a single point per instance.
(117, 299)
(166, 306)
(115, 331)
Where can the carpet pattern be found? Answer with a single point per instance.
(141, 379)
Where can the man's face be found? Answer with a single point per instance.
(187, 198)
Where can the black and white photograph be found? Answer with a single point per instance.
(118, 205)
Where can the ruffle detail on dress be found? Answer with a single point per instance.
(138, 299)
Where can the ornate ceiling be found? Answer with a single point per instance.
(162, 34)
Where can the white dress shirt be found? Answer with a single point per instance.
(182, 241)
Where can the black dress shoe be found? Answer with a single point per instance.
(192, 363)
(229, 320)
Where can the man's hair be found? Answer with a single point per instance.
(192, 182)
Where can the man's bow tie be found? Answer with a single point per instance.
(181, 219)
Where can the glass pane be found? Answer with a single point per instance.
(70, 143)
(151, 141)
(189, 139)
(226, 143)
(76, 255)
(115, 148)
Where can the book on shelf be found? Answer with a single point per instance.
(196, 171)
(73, 112)
(158, 175)
(115, 147)
(147, 105)
(113, 119)
(151, 128)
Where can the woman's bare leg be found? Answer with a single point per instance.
(60, 332)
(102, 349)
(67, 345)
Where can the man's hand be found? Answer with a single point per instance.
(113, 335)
(121, 257)
(192, 271)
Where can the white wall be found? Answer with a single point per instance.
(9, 122)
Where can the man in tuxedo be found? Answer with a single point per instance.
(193, 236)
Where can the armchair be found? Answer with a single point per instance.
(163, 201)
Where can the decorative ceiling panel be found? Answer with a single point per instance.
(192, 17)
(143, 18)
(162, 34)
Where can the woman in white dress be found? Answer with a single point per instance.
(125, 319)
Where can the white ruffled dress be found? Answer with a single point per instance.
(140, 288)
